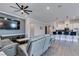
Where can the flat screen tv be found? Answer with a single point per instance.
(9, 24)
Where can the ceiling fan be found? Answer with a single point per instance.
(23, 9)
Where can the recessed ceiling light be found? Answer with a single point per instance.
(47, 7)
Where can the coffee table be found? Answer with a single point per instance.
(22, 41)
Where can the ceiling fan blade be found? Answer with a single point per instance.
(27, 13)
(28, 10)
(17, 10)
(13, 7)
(26, 7)
(18, 5)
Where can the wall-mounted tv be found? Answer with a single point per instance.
(9, 24)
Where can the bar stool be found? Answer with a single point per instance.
(75, 37)
(54, 35)
(60, 34)
(69, 37)
(66, 33)
(57, 35)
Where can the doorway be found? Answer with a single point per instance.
(45, 29)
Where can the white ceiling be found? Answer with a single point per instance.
(40, 12)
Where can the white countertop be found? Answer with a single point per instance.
(2, 53)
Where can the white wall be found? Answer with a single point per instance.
(27, 27)
(36, 24)
(39, 29)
